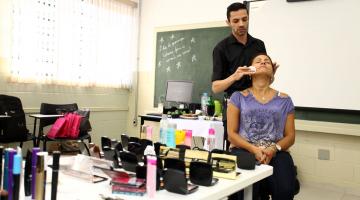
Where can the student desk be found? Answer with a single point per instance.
(198, 127)
(71, 188)
(40, 116)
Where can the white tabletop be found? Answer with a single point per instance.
(44, 116)
(4, 116)
(71, 188)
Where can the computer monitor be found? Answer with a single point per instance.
(179, 91)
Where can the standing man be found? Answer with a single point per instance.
(232, 54)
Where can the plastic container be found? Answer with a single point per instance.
(151, 176)
(170, 139)
(149, 131)
(204, 101)
(210, 141)
(163, 129)
(188, 138)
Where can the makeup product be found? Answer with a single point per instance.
(10, 183)
(35, 150)
(40, 176)
(6, 168)
(16, 176)
(55, 174)
(151, 176)
(1, 159)
(27, 174)
(252, 69)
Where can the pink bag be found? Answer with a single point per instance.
(66, 127)
(56, 128)
(74, 126)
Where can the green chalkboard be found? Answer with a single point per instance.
(186, 55)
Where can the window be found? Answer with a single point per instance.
(74, 42)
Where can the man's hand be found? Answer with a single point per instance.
(240, 72)
(276, 66)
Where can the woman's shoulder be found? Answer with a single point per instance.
(283, 95)
(240, 94)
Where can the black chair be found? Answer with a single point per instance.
(134, 139)
(125, 141)
(105, 141)
(13, 122)
(52, 109)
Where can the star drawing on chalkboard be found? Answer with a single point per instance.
(192, 40)
(168, 69)
(193, 58)
(172, 36)
(178, 65)
(161, 40)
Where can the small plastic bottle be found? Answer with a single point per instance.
(211, 140)
(149, 130)
(151, 176)
(170, 139)
(163, 129)
(188, 138)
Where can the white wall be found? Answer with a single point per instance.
(344, 150)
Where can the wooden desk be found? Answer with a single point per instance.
(40, 116)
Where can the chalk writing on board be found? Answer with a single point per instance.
(174, 50)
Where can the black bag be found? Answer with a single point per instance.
(85, 125)
(14, 127)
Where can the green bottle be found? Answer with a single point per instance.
(210, 106)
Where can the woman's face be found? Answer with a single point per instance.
(263, 64)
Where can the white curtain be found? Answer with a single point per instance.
(74, 42)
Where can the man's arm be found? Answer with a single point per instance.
(222, 85)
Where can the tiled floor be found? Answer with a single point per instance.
(313, 192)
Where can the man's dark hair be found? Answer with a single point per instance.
(235, 7)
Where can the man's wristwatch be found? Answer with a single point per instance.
(278, 147)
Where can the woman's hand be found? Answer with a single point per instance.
(270, 153)
(259, 154)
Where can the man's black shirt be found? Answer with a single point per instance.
(229, 54)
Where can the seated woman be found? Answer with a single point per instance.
(261, 121)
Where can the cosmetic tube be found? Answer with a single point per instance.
(16, 176)
(6, 168)
(40, 176)
(10, 182)
(34, 152)
(151, 176)
(55, 174)
(1, 163)
(27, 174)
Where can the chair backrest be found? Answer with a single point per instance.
(124, 141)
(12, 128)
(53, 109)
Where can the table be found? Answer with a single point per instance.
(40, 116)
(198, 127)
(72, 188)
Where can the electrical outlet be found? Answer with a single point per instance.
(323, 154)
